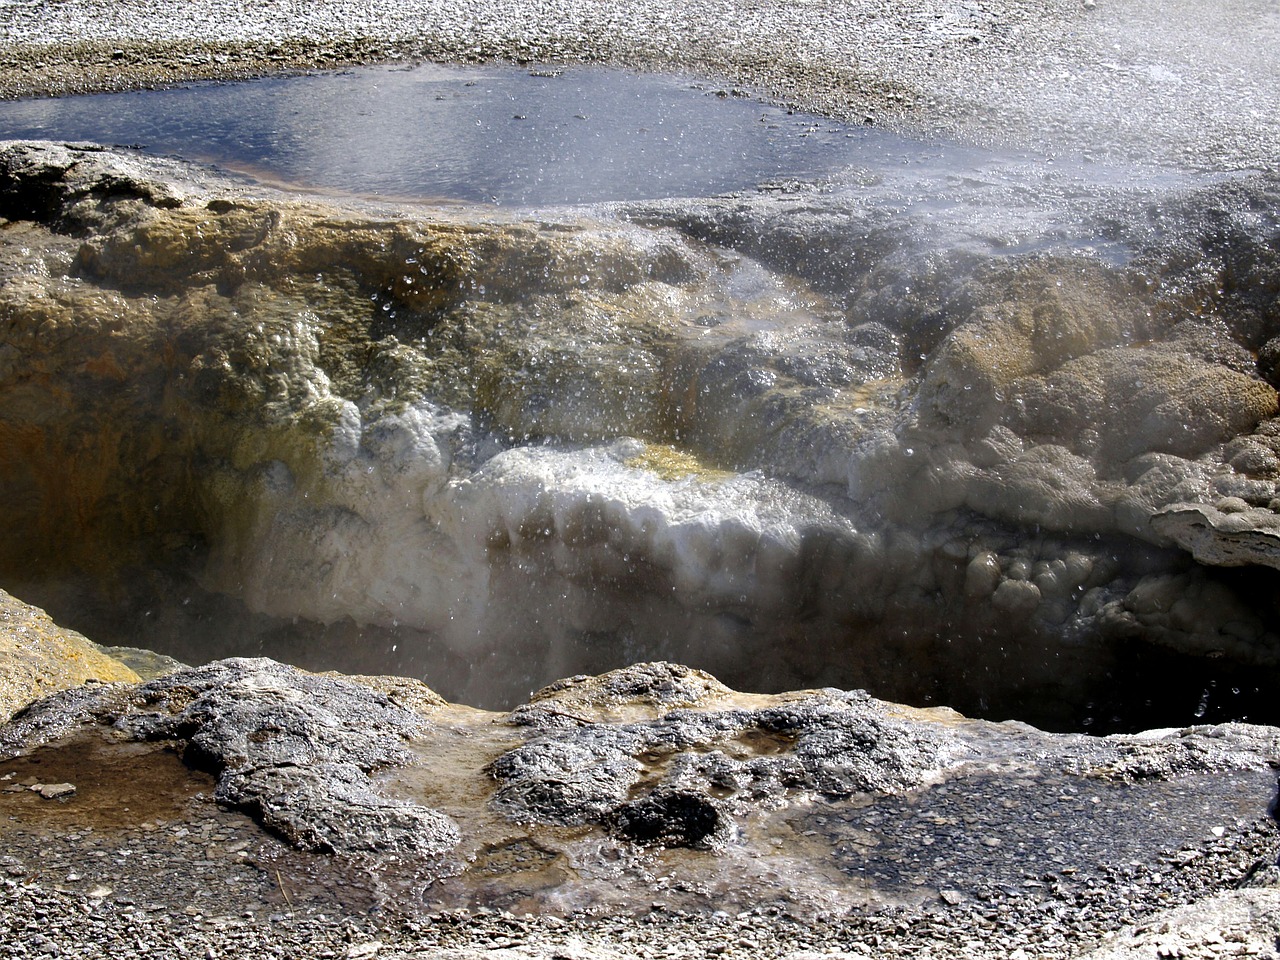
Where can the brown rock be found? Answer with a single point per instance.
(38, 657)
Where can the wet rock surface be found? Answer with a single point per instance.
(1229, 533)
(659, 778)
(293, 750)
(959, 837)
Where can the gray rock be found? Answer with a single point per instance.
(1236, 536)
(292, 749)
(644, 779)
(55, 791)
(331, 807)
(658, 686)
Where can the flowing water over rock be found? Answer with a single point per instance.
(955, 427)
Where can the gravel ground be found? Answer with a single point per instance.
(213, 886)
(122, 896)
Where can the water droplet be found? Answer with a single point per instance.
(1203, 706)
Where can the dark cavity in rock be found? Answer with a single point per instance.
(997, 440)
(670, 818)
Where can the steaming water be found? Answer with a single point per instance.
(506, 136)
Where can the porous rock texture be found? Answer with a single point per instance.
(1229, 533)
(650, 798)
(293, 750)
(662, 427)
(578, 770)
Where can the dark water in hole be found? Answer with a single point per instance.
(1140, 687)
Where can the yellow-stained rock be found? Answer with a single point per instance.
(38, 657)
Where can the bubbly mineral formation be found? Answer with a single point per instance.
(523, 445)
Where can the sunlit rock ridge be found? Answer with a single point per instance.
(787, 437)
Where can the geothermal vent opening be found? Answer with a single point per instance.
(958, 427)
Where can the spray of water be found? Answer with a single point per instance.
(906, 430)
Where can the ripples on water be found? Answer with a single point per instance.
(500, 135)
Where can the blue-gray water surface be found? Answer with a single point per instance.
(498, 135)
(518, 136)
